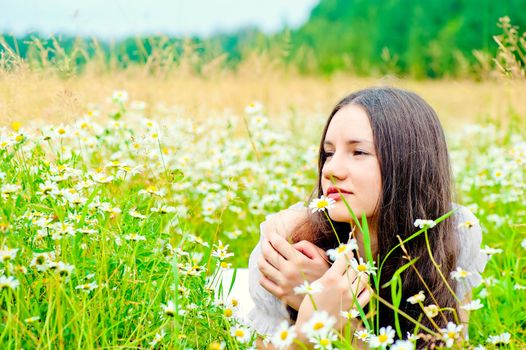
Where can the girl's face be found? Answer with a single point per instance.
(352, 164)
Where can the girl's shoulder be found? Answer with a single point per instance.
(284, 221)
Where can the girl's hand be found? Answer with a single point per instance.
(341, 285)
(284, 266)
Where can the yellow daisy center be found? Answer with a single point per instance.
(283, 335)
(228, 313)
(325, 342)
(318, 326)
(215, 346)
(382, 338)
(322, 204)
(362, 268)
(239, 333)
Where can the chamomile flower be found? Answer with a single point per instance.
(342, 249)
(431, 310)
(503, 338)
(319, 323)
(134, 213)
(8, 282)
(87, 287)
(417, 298)
(216, 345)
(41, 261)
(460, 273)
(363, 268)
(321, 204)
(402, 345)
(163, 209)
(384, 338)
(7, 254)
(135, 237)
(490, 251)
(324, 340)
(363, 335)
(169, 308)
(284, 336)
(421, 223)
(240, 333)
(349, 315)
(309, 288)
(254, 108)
(157, 338)
(62, 269)
(473, 305)
(120, 96)
(451, 333)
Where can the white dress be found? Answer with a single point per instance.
(268, 311)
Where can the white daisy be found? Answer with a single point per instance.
(323, 341)
(321, 204)
(241, 333)
(421, 223)
(320, 322)
(134, 213)
(363, 268)
(460, 273)
(384, 338)
(169, 308)
(431, 310)
(8, 282)
(254, 108)
(451, 333)
(87, 287)
(490, 251)
(503, 338)
(364, 335)
(402, 345)
(351, 314)
(7, 254)
(135, 237)
(474, 305)
(284, 336)
(417, 298)
(342, 249)
(308, 288)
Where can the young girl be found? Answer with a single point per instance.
(383, 150)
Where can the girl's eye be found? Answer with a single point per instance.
(360, 153)
(328, 154)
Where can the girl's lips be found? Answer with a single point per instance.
(336, 196)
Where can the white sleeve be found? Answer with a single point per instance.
(268, 311)
(470, 257)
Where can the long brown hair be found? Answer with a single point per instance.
(416, 184)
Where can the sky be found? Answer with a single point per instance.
(114, 19)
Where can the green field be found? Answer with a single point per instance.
(116, 226)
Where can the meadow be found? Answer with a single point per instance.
(125, 195)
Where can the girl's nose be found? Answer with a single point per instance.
(334, 167)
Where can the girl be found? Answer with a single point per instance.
(383, 150)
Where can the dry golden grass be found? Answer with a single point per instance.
(31, 96)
